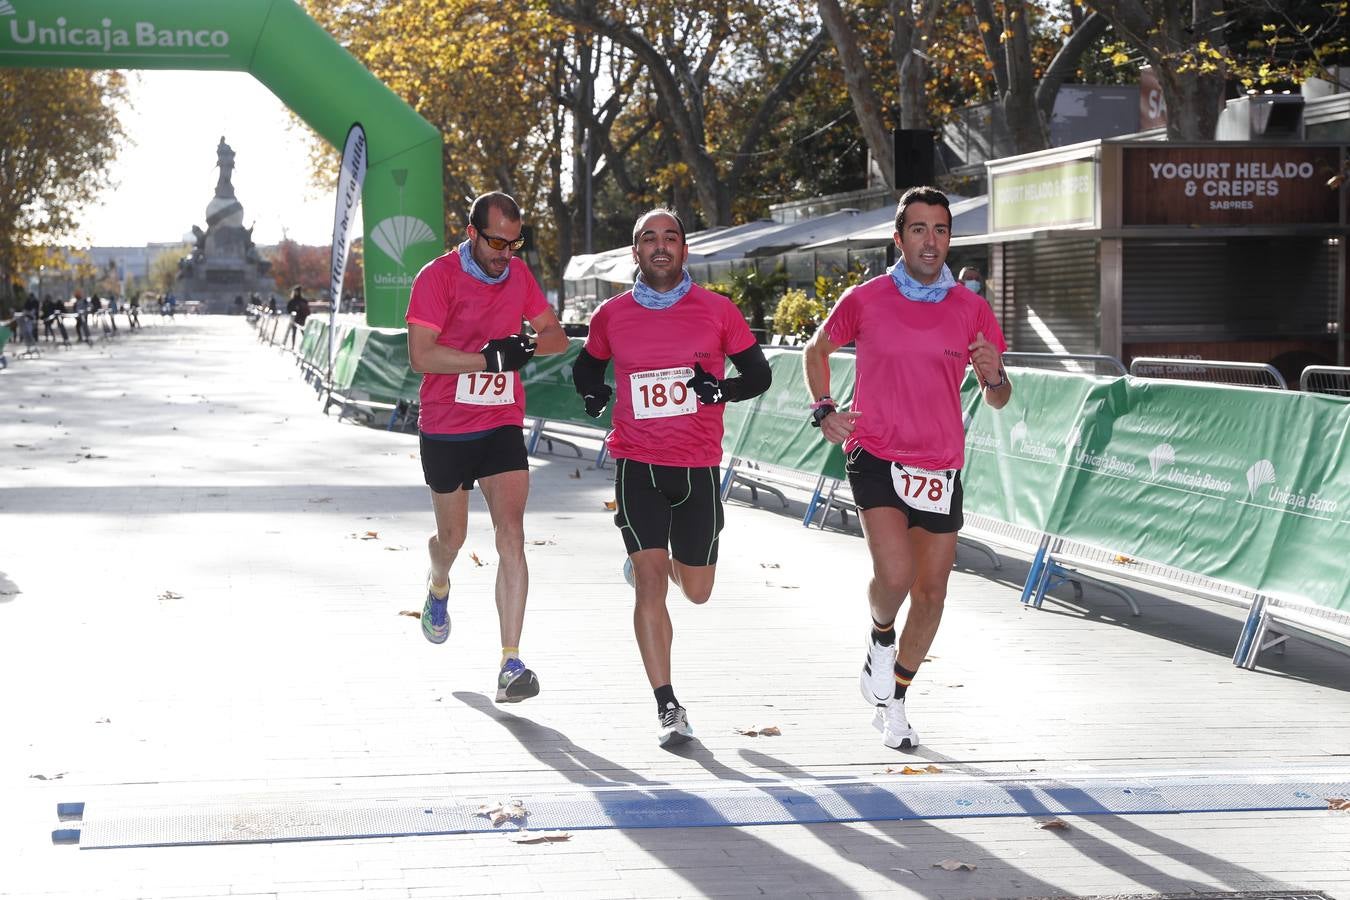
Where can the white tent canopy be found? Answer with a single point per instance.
(970, 215)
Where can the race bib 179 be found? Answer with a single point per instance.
(486, 388)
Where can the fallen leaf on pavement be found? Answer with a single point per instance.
(611, 505)
(754, 731)
(954, 865)
(170, 595)
(910, 770)
(476, 560)
(1124, 560)
(395, 547)
(543, 543)
(1054, 824)
(1338, 803)
(410, 612)
(501, 812)
(371, 536)
(320, 499)
(576, 474)
(48, 777)
(768, 565)
(524, 836)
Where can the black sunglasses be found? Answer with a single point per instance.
(497, 243)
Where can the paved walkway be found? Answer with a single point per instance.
(200, 590)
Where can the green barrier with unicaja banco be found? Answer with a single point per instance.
(1247, 488)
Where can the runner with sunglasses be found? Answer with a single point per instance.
(914, 329)
(465, 337)
(669, 339)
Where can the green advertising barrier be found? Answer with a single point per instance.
(549, 393)
(317, 355)
(382, 372)
(1243, 485)
(286, 50)
(1015, 455)
(775, 429)
(346, 358)
(308, 336)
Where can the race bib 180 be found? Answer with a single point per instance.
(486, 388)
(662, 392)
(923, 490)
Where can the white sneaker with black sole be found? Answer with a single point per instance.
(877, 681)
(896, 732)
(675, 727)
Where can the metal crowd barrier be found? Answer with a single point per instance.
(1076, 363)
(1243, 374)
(1334, 380)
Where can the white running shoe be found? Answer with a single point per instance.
(896, 732)
(675, 727)
(877, 681)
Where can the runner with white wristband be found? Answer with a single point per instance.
(915, 329)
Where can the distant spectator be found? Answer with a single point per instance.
(134, 311)
(51, 316)
(82, 318)
(972, 279)
(298, 309)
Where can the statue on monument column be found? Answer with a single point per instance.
(225, 161)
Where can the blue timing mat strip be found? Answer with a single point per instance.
(765, 803)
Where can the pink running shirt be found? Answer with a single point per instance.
(467, 314)
(646, 344)
(911, 359)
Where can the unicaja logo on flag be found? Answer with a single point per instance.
(7, 8)
(396, 234)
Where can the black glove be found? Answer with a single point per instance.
(507, 354)
(708, 388)
(597, 399)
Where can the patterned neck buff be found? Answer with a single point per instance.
(651, 298)
(475, 270)
(923, 293)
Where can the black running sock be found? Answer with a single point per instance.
(903, 677)
(665, 698)
(883, 634)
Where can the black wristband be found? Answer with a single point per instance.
(819, 413)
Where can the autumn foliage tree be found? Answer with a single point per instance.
(59, 136)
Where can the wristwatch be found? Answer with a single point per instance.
(819, 411)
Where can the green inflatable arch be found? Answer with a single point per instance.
(286, 50)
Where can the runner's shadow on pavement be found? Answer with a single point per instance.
(670, 845)
(1118, 855)
(894, 854)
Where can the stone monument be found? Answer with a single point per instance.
(224, 263)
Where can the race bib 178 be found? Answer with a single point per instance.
(923, 490)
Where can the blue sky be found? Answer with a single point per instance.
(166, 171)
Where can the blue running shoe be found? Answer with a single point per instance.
(515, 682)
(628, 571)
(435, 619)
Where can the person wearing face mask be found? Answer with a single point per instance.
(914, 329)
(669, 339)
(465, 336)
(971, 278)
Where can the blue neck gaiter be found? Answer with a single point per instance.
(475, 270)
(923, 293)
(653, 299)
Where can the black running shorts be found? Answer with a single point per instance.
(870, 478)
(450, 462)
(669, 506)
